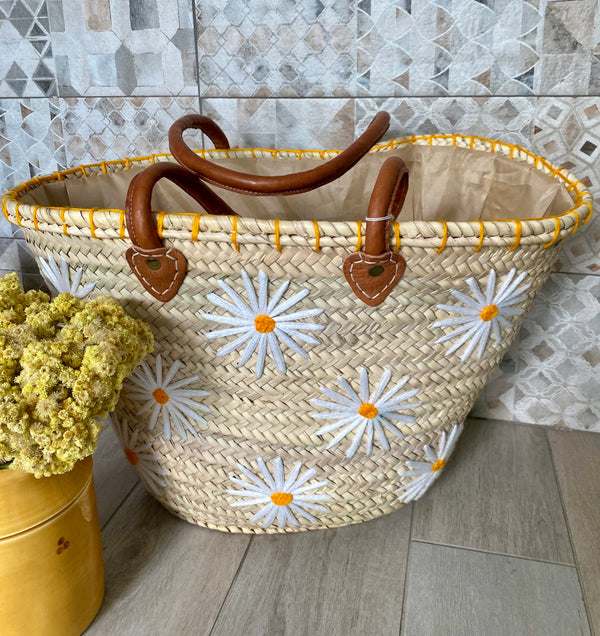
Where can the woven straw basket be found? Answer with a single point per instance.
(277, 398)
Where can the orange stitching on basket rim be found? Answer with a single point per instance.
(555, 172)
(576, 223)
(196, 227)
(396, 236)
(19, 223)
(358, 236)
(441, 248)
(234, 231)
(556, 233)
(62, 218)
(589, 215)
(159, 224)
(277, 237)
(122, 224)
(34, 216)
(518, 232)
(317, 236)
(92, 226)
(481, 235)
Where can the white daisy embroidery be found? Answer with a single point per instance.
(366, 413)
(261, 324)
(425, 473)
(281, 498)
(58, 275)
(139, 456)
(171, 398)
(482, 314)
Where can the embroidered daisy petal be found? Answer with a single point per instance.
(57, 275)
(262, 326)
(424, 473)
(482, 315)
(139, 456)
(285, 498)
(366, 415)
(167, 397)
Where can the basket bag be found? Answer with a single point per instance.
(324, 320)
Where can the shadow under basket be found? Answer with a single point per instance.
(276, 399)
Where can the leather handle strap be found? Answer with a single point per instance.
(385, 204)
(206, 125)
(161, 270)
(138, 211)
(255, 184)
(373, 274)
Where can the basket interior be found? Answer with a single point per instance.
(446, 183)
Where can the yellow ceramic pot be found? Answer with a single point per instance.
(51, 567)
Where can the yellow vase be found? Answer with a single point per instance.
(51, 567)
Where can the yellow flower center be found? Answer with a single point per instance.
(162, 397)
(438, 465)
(132, 457)
(489, 312)
(368, 411)
(264, 324)
(281, 498)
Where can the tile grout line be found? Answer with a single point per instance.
(405, 590)
(575, 558)
(105, 524)
(235, 578)
(500, 554)
(304, 97)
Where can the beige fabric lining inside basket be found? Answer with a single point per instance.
(446, 183)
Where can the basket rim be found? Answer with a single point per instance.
(440, 233)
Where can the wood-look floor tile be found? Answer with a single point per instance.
(459, 592)
(113, 476)
(344, 581)
(163, 575)
(577, 461)
(498, 494)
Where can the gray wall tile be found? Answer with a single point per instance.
(558, 365)
(567, 49)
(104, 128)
(567, 131)
(142, 47)
(505, 118)
(284, 123)
(422, 48)
(32, 136)
(26, 62)
(289, 49)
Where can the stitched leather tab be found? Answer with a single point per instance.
(160, 270)
(372, 278)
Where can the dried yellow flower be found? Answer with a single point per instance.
(62, 364)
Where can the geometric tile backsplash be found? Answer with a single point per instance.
(84, 81)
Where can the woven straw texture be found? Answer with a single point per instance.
(272, 416)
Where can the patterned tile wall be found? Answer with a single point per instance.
(87, 81)
(140, 47)
(103, 128)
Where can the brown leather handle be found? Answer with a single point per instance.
(255, 184)
(138, 212)
(205, 124)
(385, 204)
(160, 269)
(373, 274)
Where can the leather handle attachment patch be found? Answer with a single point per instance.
(160, 270)
(372, 278)
(372, 274)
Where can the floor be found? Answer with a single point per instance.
(508, 542)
